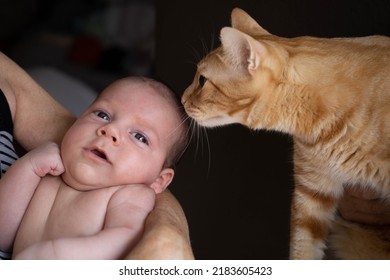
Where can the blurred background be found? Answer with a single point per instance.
(234, 184)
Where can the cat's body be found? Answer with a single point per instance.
(331, 95)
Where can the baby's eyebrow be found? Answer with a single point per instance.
(150, 130)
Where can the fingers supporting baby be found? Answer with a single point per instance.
(166, 234)
(364, 206)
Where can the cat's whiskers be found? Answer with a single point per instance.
(186, 133)
(208, 148)
(196, 54)
(177, 127)
(195, 134)
(205, 49)
(189, 131)
(201, 133)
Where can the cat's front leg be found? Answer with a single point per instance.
(311, 216)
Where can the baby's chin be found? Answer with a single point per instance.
(82, 184)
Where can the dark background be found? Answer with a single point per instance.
(234, 184)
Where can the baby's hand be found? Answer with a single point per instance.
(46, 159)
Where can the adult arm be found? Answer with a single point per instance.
(166, 234)
(37, 117)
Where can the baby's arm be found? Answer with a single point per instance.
(18, 185)
(166, 235)
(123, 226)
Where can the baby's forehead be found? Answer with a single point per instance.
(130, 87)
(148, 87)
(143, 94)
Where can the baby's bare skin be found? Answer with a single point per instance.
(58, 210)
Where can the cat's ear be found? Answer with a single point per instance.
(245, 23)
(242, 50)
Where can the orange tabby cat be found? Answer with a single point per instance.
(331, 95)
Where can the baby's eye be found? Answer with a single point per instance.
(140, 137)
(102, 115)
(202, 80)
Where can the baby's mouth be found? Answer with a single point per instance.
(100, 154)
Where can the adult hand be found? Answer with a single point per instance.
(166, 235)
(365, 207)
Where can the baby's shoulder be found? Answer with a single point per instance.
(140, 195)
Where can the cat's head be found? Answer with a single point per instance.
(230, 80)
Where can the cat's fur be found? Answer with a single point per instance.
(331, 95)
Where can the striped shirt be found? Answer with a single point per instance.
(7, 150)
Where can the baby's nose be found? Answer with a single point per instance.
(109, 132)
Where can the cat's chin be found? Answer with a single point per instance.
(216, 121)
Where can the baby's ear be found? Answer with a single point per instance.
(163, 180)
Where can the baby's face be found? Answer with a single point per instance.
(122, 138)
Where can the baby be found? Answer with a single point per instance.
(89, 200)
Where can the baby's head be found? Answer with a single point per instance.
(179, 137)
(134, 132)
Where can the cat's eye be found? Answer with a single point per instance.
(202, 80)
